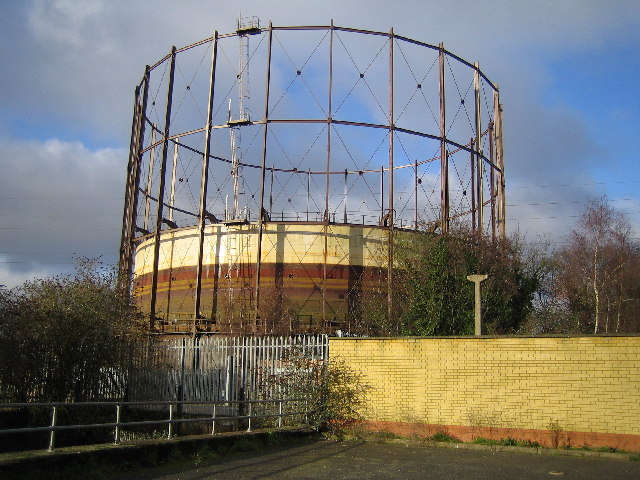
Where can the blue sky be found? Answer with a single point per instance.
(568, 73)
(605, 93)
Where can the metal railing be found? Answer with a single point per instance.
(170, 422)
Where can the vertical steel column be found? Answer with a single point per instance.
(345, 194)
(492, 180)
(136, 183)
(163, 166)
(415, 195)
(444, 154)
(496, 156)
(262, 175)
(125, 237)
(497, 115)
(308, 191)
(381, 193)
(172, 194)
(325, 227)
(479, 159)
(152, 161)
(273, 167)
(131, 204)
(204, 182)
(172, 197)
(473, 185)
(391, 175)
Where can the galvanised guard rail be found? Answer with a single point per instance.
(53, 427)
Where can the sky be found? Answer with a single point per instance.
(567, 70)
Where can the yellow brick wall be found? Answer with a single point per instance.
(584, 384)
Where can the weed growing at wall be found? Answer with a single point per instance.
(555, 427)
(506, 442)
(332, 395)
(443, 437)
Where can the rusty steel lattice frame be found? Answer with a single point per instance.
(485, 150)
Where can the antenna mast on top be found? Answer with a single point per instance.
(246, 26)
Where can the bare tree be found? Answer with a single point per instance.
(598, 272)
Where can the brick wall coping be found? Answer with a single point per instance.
(490, 337)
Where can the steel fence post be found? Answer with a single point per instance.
(249, 429)
(306, 411)
(117, 431)
(213, 423)
(52, 435)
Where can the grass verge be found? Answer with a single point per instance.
(443, 439)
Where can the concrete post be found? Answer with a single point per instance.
(477, 279)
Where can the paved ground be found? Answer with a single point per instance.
(356, 460)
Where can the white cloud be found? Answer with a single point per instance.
(69, 23)
(81, 58)
(59, 200)
(70, 66)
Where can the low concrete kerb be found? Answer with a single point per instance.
(132, 451)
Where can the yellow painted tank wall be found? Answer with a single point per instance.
(292, 266)
(346, 245)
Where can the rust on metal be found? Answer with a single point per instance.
(402, 155)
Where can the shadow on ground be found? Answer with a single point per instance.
(331, 460)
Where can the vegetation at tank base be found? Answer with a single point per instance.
(590, 284)
(435, 297)
(63, 338)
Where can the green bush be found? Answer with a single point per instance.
(66, 338)
(330, 393)
(437, 298)
(444, 437)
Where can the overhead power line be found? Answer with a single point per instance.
(558, 185)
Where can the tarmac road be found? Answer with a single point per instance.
(358, 460)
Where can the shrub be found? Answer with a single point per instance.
(65, 338)
(332, 395)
